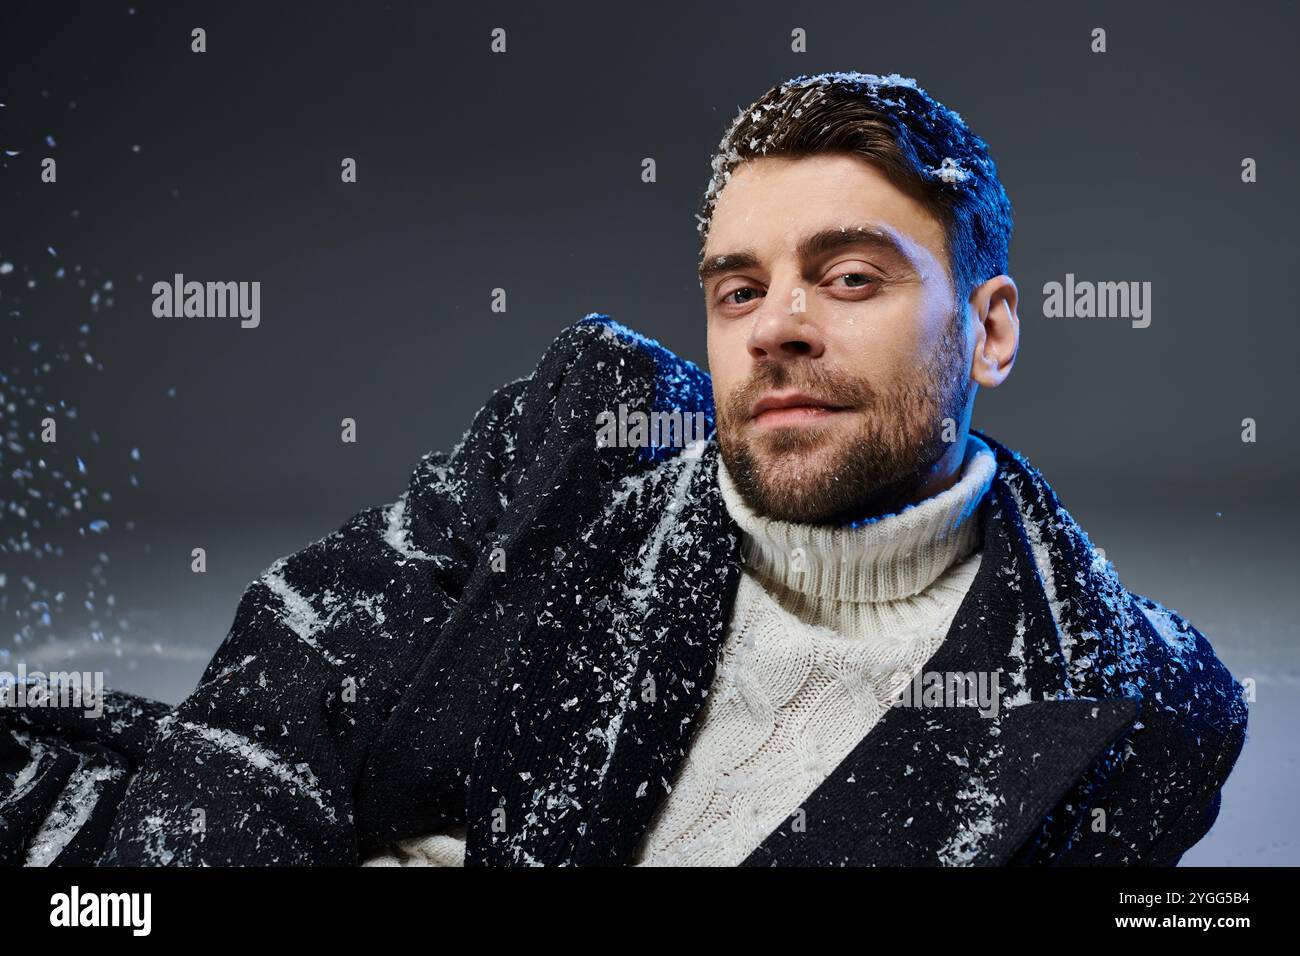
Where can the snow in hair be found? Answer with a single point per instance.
(727, 157)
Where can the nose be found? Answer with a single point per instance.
(779, 332)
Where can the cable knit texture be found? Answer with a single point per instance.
(829, 625)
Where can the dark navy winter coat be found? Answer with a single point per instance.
(475, 653)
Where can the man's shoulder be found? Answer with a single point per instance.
(1121, 642)
(598, 376)
(591, 366)
(1118, 643)
(600, 359)
(1192, 711)
(1181, 664)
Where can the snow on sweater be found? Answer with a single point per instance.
(829, 625)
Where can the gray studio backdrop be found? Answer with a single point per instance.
(522, 171)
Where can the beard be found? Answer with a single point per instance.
(872, 469)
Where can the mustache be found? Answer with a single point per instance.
(823, 383)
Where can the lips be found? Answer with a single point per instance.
(791, 406)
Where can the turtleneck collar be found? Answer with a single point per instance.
(892, 557)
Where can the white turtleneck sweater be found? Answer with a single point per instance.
(829, 625)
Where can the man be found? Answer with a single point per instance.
(843, 628)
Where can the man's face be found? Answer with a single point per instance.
(836, 354)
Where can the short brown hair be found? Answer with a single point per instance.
(923, 147)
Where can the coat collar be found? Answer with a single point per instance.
(602, 690)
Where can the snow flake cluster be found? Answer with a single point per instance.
(757, 129)
(950, 171)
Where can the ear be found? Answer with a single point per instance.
(997, 333)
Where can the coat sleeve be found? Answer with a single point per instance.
(1200, 812)
(1222, 717)
(1185, 832)
(63, 770)
(258, 766)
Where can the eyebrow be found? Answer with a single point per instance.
(816, 245)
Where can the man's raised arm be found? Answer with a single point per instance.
(258, 766)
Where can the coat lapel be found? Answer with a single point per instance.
(697, 577)
(608, 674)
